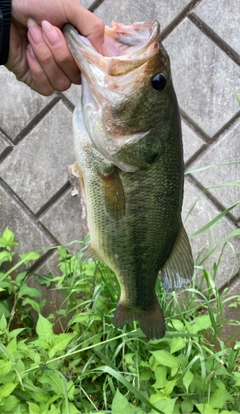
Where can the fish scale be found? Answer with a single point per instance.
(128, 146)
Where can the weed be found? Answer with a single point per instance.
(92, 367)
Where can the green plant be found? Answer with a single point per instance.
(92, 367)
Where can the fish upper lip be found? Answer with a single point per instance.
(133, 45)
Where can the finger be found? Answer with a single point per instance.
(59, 49)
(36, 77)
(55, 75)
(87, 23)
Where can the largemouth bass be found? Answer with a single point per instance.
(128, 146)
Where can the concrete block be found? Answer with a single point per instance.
(203, 77)
(73, 94)
(19, 105)
(198, 211)
(226, 149)
(223, 19)
(37, 168)
(64, 220)
(27, 233)
(86, 3)
(128, 11)
(191, 142)
(3, 143)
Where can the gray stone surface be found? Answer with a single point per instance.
(198, 211)
(128, 11)
(37, 168)
(27, 232)
(65, 210)
(3, 143)
(35, 200)
(223, 19)
(22, 105)
(191, 142)
(86, 3)
(73, 94)
(225, 150)
(203, 76)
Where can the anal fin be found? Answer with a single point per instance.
(178, 269)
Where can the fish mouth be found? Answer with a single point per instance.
(125, 47)
(112, 78)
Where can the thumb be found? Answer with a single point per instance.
(88, 25)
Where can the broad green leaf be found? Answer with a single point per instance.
(199, 323)
(52, 379)
(4, 311)
(11, 404)
(71, 410)
(44, 329)
(161, 377)
(5, 352)
(7, 239)
(60, 342)
(6, 390)
(170, 386)
(15, 332)
(220, 396)
(19, 278)
(166, 359)
(27, 257)
(5, 367)
(187, 379)
(29, 291)
(178, 325)
(187, 406)
(5, 257)
(3, 323)
(35, 305)
(206, 409)
(229, 412)
(121, 405)
(165, 405)
(237, 376)
(12, 347)
(176, 344)
(34, 408)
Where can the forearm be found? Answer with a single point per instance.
(5, 18)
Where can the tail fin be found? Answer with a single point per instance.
(151, 320)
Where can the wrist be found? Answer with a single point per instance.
(5, 19)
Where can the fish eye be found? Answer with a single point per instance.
(159, 82)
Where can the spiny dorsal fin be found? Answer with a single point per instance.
(178, 269)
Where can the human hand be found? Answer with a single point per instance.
(38, 53)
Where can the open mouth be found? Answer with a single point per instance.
(125, 46)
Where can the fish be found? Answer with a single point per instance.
(129, 157)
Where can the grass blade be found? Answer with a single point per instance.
(119, 377)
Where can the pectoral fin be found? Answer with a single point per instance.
(113, 193)
(178, 269)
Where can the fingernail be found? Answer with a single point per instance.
(51, 33)
(31, 52)
(34, 31)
